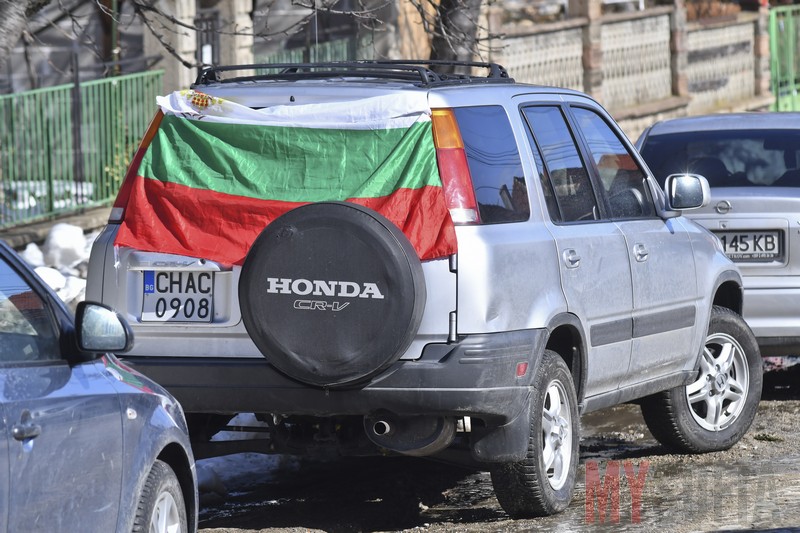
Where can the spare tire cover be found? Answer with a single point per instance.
(332, 293)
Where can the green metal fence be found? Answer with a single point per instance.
(784, 22)
(63, 149)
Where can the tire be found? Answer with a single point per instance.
(716, 410)
(332, 293)
(161, 507)
(543, 483)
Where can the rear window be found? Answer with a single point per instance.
(727, 158)
(494, 164)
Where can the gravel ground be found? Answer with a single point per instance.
(754, 486)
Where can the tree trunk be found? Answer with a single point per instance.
(456, 34)
(13, 17)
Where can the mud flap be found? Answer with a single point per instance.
(506, 443)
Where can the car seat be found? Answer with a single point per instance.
(710, 168)
(790, 178)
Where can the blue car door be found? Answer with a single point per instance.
(3, 472)
(63, 426)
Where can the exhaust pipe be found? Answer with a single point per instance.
(411, 435)
(382, 428)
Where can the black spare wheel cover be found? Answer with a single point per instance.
(332, 293)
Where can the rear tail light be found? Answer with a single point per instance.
(453, 168)
(118, 211)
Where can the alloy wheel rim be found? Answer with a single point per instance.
(556, 434)
(165, 517)
(719, 394)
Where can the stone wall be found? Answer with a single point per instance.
(721, 63)
(646, 65)
(636, 61)
(553, 57)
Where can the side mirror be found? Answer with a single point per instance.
(101, 329)
(686, 191)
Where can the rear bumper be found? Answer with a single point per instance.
(476, 376)
(774, 316)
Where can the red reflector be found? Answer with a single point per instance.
(522, 369)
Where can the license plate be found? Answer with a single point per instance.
(751, 245)
(177, 296)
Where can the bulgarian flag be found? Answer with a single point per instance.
(216, 172)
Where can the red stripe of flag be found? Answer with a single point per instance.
(175, 219)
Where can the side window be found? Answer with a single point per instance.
(622, 179)
(547, 187)
(494, 164)
(27, 331)
(571, 184)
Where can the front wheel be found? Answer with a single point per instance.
(716, 410)
(161, 506)
(543, 483)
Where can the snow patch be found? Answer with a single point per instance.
(65, 246)
(62, 261)
(33, 255)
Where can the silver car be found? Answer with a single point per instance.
(378, 257)
(752, 163)
(88, 444)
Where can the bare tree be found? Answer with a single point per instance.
(452, 26)
(455, 35)
(13, 17)
(454, 29)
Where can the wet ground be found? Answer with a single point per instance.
(754, 486)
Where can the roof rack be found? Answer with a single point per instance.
(419, 72)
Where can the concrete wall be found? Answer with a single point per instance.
(646, 65)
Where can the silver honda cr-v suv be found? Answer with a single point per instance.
(375, 257)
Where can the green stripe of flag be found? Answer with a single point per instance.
(291, 164)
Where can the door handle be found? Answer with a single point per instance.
(571, 258)
(640, 252)
(25, 429)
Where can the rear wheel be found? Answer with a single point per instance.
(716, 410)
(543, 483)
(161, 506)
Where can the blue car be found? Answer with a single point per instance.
(88, 444)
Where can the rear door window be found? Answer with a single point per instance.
(494, 164)
(574, 195)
